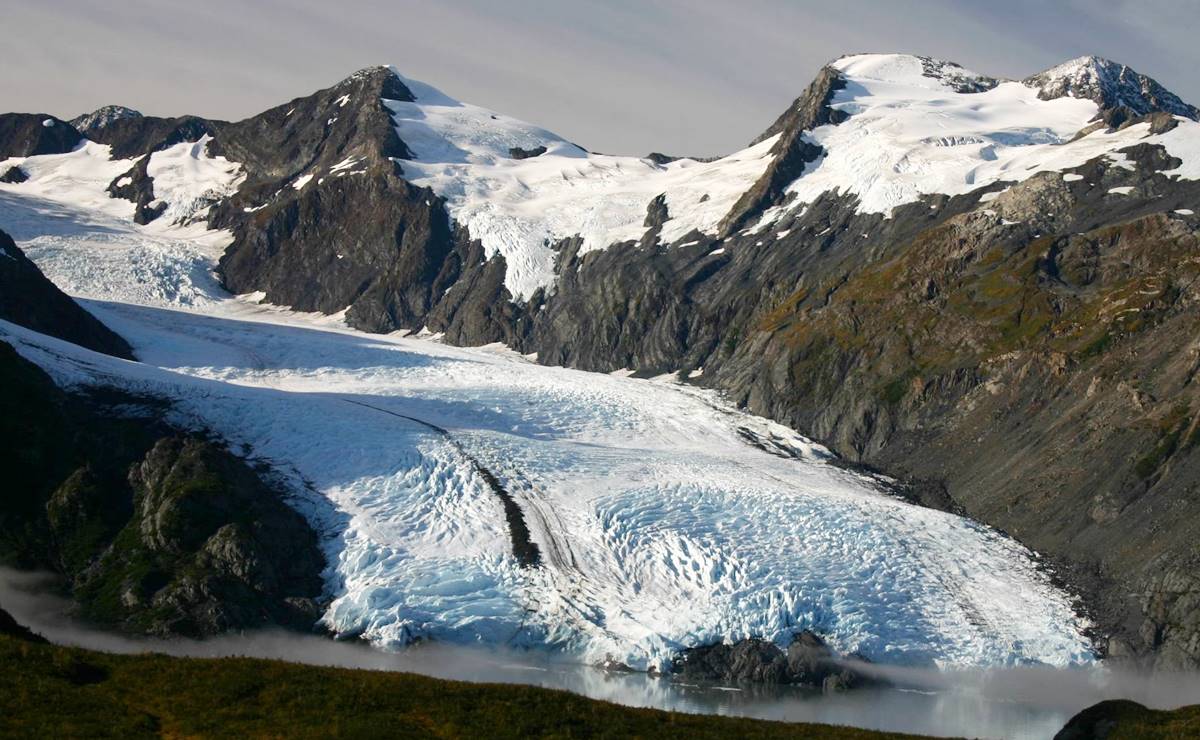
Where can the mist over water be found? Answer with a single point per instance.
(1018, 702)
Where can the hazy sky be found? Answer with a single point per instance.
(620, 76)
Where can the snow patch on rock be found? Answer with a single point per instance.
(190, 181)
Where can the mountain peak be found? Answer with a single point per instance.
(381, 78)
(1111, 85)
(1088, 66)
(102, 117)
(366, 73)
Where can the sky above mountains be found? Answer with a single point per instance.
(623, 76)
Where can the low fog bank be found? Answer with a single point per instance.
(1016, 702)
(28, 598)
(1048, 687)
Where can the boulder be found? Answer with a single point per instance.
(807, 662)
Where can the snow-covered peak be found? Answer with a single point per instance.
(1078, 77)
(521, 189)
(1110, 85)
(1082, 69)
(913, 71)
(913, 126)
(102, 117)
(911, 129)
(440, 129)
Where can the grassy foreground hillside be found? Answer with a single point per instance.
(1127, 720)
(52, 691)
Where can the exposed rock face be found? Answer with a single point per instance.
(47, 441)
(209, 548)
(13, 174)
(388, 263)
(660, 159)
(517, 152)
(286, 216)
(1171, 604)
(808, 662)
(398, 263)
(27, 134)
(155, 531)
(29, 299)
(313, 134)
(757, 661)
(792, 151)
(956, 77)
(136, 185)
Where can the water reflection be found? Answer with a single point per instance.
(964, 710)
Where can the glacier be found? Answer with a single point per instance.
(660, 524)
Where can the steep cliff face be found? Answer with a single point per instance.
(154, 530)
(792, 149)
(209, 548)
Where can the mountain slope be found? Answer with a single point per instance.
(152, 529)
